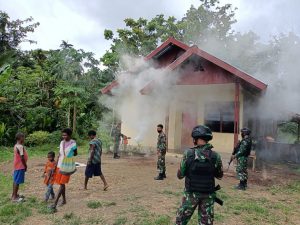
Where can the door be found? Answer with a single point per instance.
(189, 121)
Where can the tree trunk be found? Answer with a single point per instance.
(74, 118)
(68, 116)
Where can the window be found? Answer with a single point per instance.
(219, 116)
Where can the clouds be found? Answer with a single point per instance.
(82, 22)
(268, 17)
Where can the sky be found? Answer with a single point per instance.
(82, 22)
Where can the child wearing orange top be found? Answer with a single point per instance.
(49, 176)
(20, 166)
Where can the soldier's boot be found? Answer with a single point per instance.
(240, 186)
(116, 156)
(159, 177)
(164, 175)
(245, 184)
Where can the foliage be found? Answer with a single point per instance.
(39, 96)
(288, 132)
(140, 37)
(38, 138)
(4, 134)
(13, 32)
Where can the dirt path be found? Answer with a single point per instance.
(132, 191)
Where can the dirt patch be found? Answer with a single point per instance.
(133, 191)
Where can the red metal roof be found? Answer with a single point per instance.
(240, 74)
(194, 50)
(169, 41)
(108, 88)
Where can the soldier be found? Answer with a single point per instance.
(200, 166)
(117, 138)
(241, 153)
(161, 152)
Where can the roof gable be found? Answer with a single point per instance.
(163, 46)
(233, 70)
(188, 52)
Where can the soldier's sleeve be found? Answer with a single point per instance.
(182, 168)
(242, 149)
(218, 167)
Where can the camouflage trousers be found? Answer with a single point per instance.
(117, 147)
(241, 169)
(161, 162)
(190, 202)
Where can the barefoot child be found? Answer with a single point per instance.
(49, 176)
(20, 166)
(93, 167)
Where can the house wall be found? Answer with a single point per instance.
(200, 95)
(184, 95)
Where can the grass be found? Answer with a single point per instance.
(286, 189)
(7, 154)
(120, 220)
(98, 204)
(13, 213)
(68, 219)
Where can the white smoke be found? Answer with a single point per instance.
(140, 111)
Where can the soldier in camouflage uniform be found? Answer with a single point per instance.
(117, 139)
(200, 166)
(161, 153)
(241, 153)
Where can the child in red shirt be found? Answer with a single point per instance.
(20, 166)
(49, 176)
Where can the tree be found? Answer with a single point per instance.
(209, 20)
(198, 26)
(13, 32)
(76, 70)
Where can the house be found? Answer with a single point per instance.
(214, 92)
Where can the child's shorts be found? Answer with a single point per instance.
(19, 176)
(93, 170)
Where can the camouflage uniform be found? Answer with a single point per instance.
(191, 200)
(242, 158)
(117, 139)
(161, 148)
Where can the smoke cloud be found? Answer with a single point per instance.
(275, 62)
(142, 112)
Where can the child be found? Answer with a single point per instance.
(93, 167)
(49, 176)
(20, 166)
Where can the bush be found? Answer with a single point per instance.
(38, 138)
(55, 137)
(106, 140)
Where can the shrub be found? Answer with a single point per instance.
(106, 139)
(55, 137)
(38, 138)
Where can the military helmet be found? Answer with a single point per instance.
(202, 132)
(246, 131)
